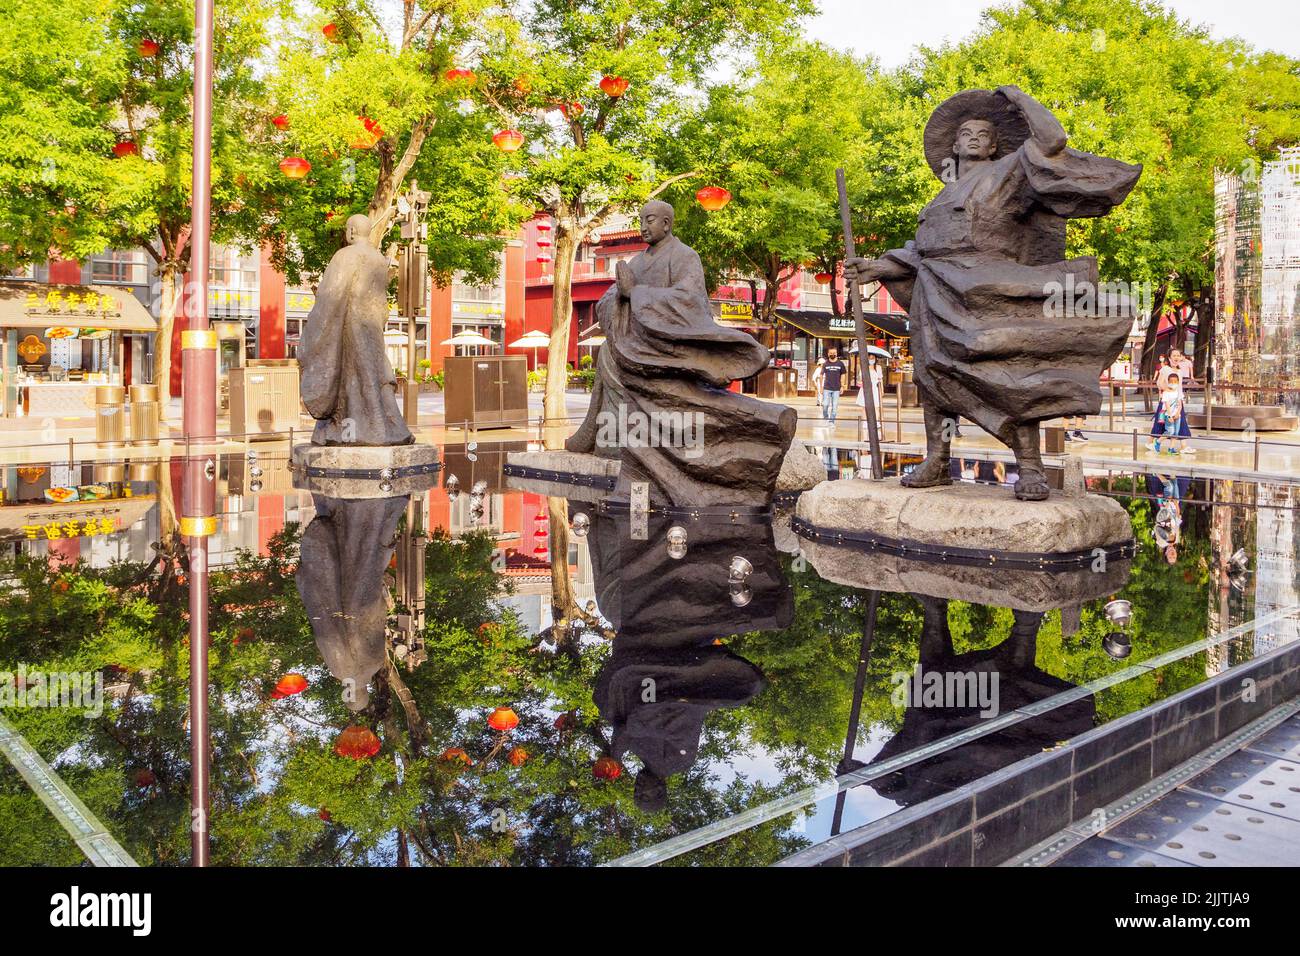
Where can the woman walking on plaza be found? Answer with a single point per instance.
(1169, 425)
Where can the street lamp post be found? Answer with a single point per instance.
(199, 424)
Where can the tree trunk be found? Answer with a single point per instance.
(567, 240)
(162, 347)
(1147, 368)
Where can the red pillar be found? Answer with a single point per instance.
(514, 304)
(439, 325)
(270, 321)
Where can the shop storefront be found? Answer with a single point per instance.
(803, 337)
(61, 341)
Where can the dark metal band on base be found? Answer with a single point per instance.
(976, 557)
(376, 473)
(723, 514)
(606, 482)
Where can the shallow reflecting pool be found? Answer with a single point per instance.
(480, 675)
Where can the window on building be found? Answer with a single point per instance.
(120, 267)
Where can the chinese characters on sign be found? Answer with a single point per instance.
(71, 528)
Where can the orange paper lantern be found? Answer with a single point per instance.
(524, 84)
(357, 743)
(125, 148)
(460, 75)
(712, 198)
(372, 134)
(503, 719)
(295, 167)
(456, 753)
(280, 122)
(823, 278)
(147, 48)
(508, 140)
(606, 768)
(517, 756)
(291, 684)
(572, 110)
(614, 86)
(331, 31)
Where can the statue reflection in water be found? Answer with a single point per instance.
(346, 550)
(667, 671)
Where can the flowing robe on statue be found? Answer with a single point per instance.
(665, 356)
(348, 383)
(1005, 329)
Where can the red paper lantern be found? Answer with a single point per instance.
(508, 140)
(125, 148)
(823, 278)
(543, 258)
(567, 720)
(372, 134)
(147, 48)
(280, 122)
(517, 756)
(291, 684)
(456, 753)
(543, 243)
(357, 743)
(144, 777)
(606, 768)
(712, 198)
(295, 167)
(460, 75)
(331, 31)
(572, 110)
(540, 533)
(543, 226)
(614, 86)
(325, 815)
(503, 719)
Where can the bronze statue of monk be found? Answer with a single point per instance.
(988, 262)
(348, 384)
(660, 402)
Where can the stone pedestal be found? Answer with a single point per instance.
(365, 471)
(967, 542)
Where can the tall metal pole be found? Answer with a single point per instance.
(199, 423)
(860, 328)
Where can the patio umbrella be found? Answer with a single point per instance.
(534, 340)
(468, 338)
(591, 340)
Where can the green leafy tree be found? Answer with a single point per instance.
(594, 152)
(96, 110)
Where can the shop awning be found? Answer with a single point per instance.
(37, 305)
(826, 325)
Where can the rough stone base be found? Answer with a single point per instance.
(355, 471)
(801, 469)
(979, 517)
(967, 516)
(1004, 587)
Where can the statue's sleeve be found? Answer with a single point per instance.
(1073, 183)
(320, 348)
(672, 328)
(909, 260)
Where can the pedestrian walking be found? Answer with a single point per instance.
(829, 379)
(1169, 425)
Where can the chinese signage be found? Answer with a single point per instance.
(71, 528)
(58, 301)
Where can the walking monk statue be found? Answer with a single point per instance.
(997, 333)
(661, 402)
(348, 383)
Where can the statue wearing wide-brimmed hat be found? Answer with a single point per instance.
(984, 279)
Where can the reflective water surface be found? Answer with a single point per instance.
(484, 676)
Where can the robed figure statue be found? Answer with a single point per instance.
(348, 383)
(661, 402)
(1005, 329)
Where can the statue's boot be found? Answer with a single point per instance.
(935, 470)
(1025, 442)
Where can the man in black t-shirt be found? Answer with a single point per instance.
(829, 381)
